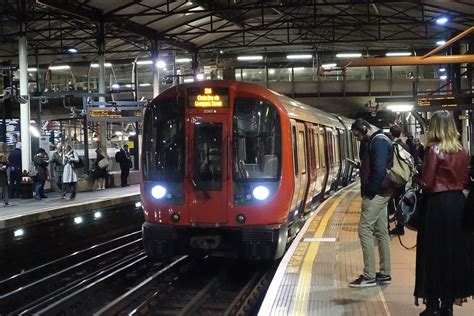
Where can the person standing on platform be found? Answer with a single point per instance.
(100, 169)
(420, 150)
(376, 156)
(58, 168)
(69, 175)
(41, 166)
(396, 132)
(443, 254)
(15, 170)
(4, 178)
(125, 161)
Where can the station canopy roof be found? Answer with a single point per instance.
(230, 27)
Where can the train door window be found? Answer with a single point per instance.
(295, 150)
(256, 140)
(208, 156)
(163, 136)
(312, 160)
(337, 148)
(321, 149)
(302, 152)
(318, 150)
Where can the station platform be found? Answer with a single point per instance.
(313, 277)
(31, 211)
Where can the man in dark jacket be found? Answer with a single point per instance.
(40, 164)
(14, 160)
(376, 155)
(125, 161)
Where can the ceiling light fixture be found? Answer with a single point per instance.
(60, 67)
(307, 56)
(72, 50)
(439, 43)
(183, 60)
(105, 65)
(349, 55)
(144, 62)
(328, 66)
(400, 108)
(442, 20)
(397, 54)
(246, 58)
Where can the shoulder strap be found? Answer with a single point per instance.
(381, 135)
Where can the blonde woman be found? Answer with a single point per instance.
(443, 272)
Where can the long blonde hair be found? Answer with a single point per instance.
(442, 130)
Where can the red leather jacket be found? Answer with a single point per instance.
(444, 172)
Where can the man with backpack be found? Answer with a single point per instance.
(376, 156)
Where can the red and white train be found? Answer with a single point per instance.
(234, 168)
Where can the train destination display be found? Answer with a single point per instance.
(444, 102)
(208, 97)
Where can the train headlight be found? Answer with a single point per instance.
(158, 191)
(260, 192)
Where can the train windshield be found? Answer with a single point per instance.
(256, 141)
(163, 137)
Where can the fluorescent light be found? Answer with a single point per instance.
(442, 69)
(298, 68)
(183, 60)
(398, 54)
(400, 108)
(348, 55)
(200, 77)
(249, 57)
(72, 50)
(327, 66)
(299, 56)
(128, 85)
(186, 80)
(144, 62)
(34, 131)
(115, 86)
(442, 20)
(443, 77)
(439, 43)
(97, 215)
(160, 64)
(271, 71)
(97, 65)
(145, 84)
(33, 69)
(18, 233)
(60, 67)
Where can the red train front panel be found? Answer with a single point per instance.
(214, 163)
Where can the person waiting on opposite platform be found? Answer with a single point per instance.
(420, 150)
(15, 170)
(100, 169)
(4, 178)
(443, 258)
(58, 168)
(69, 174)
(376, 155)
(41, 167)
(125, 161)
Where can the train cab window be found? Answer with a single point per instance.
(208, 156)
(163, 135)
(256, 140)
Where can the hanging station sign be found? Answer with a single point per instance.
(208, 97)
(117, 111)
(445, 102)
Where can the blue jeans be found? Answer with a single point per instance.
(39, 189)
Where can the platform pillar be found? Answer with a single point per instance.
(26, 156)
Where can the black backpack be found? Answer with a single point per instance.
(78, 164)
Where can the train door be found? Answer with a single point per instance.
(207, 193)
(303, 166)
(323, 156)
(311, 162)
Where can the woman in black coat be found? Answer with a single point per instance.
(100, 169)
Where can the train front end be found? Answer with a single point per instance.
(212, 170)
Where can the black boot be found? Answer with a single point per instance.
(446, 308)
(432, 308)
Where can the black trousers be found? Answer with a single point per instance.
(124, 175)
(15, 183)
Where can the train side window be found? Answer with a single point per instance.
(302, 152)
(312, 160)
(295, 150)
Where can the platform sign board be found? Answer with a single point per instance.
(114, 114)
(445, 102)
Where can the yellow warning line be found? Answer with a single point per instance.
(303, 288)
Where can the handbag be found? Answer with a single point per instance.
(33, 172)
(410, 209)
(103, 163)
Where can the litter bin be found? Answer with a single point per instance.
(27, 190)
